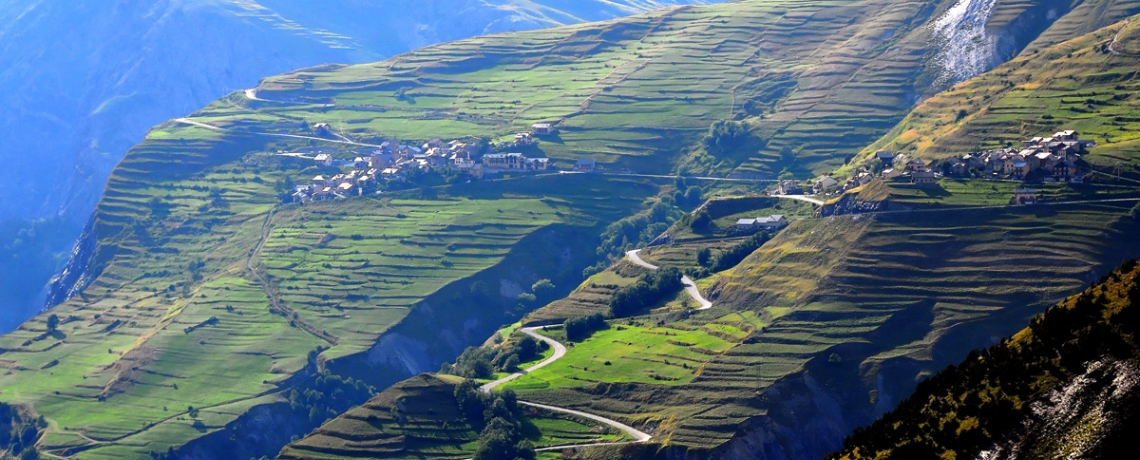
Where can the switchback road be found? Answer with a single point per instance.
(559, 352)
(690, 286)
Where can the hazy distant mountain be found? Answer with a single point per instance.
(85, 79)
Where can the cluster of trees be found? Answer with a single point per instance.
(651, 289)
(635, 231)
(483, 362)
(701, 222)
(686, 195)
(732, 256)
(966, 408)
(580, 328)
(541, 292)
(327, 396)
(725, 135)
(500, 419)
(18, 434)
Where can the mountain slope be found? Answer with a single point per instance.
(1088, 84)
(85, 81)
(1066, 386)
(205, 292)
(91, 79)
(819, 331)
(812, 83)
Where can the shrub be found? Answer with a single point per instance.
(704, 257)
(580, 328)
(734, 255)
(701, 222)
(725, 135)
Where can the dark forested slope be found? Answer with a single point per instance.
(1068, 386)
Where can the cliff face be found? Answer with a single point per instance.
(1093, 415)
(77, 274)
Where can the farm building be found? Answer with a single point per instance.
(542, 129)
(773, 222)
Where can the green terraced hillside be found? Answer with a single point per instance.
(1065, 387)
(826, 326)
(198, 303)
(1088, 84)
(814, 81)
(421, 418)
(209, 302)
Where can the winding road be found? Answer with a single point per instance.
(290, 136)
(251, 94)
(690, 286)
(559, 352)
(803, 198)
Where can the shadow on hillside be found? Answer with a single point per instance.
(934, 192)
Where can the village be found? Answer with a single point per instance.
(394, 161)
(1041, 159)
(1038, 160)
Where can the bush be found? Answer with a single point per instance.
(694, 196)
(734, 255)
(474, 363)
(543, 289)
(725, 135)
(702, 222)
(704, 257)
(580, 328)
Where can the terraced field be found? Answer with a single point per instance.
(962, 193)
(200, 302)
(206, 294)
(861, 304)
(420, 418)
(814, 82)
(1088, 84)
(592, 296)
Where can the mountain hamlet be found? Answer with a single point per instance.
(89, 79)
(753, 229)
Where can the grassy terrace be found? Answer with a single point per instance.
(189, 258)
(816, 80)
(592, 296)
(1079, 84)
(958, 193)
